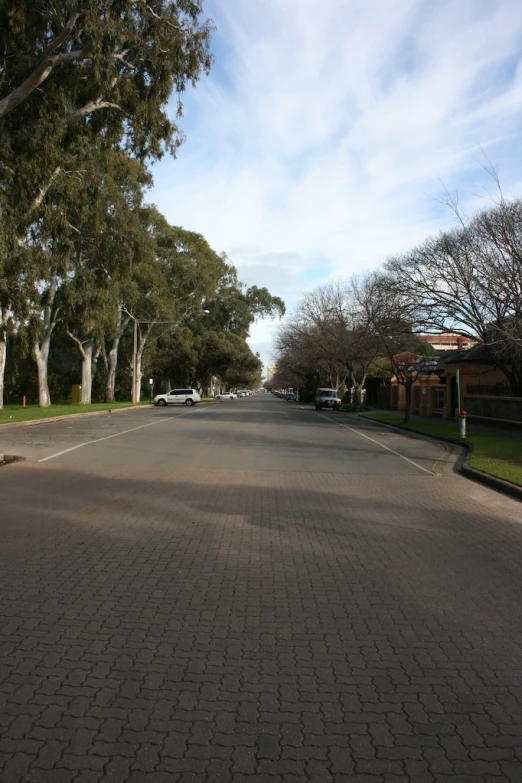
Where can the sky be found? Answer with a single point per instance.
(328, 132)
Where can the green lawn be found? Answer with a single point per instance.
(14, 413)
(498, 455)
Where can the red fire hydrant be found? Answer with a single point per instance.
(462, 420)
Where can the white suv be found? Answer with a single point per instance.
(327, 398)
(187, 397)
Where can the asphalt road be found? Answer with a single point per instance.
(252, 591)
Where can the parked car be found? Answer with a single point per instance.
(187, 397)
(225, 396)
(327, 398)
(291, 397)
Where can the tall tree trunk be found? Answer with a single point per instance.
(41, 355)
(86, 348)
(86, 372)
(111, 375)
(358, 386)
(43, 343)
(138, 376)
(113, 356)
(356, 395)
(143, 337)
(4, 317)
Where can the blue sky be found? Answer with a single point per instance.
(323, 140)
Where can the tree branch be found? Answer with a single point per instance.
(77, 341)
(161, 19)
(62, 37)
(121, 58)
(37, 200)
(44, 68)
(89, 107)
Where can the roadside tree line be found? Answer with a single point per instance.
(90, 98)
(467, 280)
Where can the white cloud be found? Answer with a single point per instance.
(319, 144)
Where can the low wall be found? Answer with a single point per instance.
(505, 408)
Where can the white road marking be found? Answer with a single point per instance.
(108, 437)
(378, 442)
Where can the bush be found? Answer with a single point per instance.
(353, 408)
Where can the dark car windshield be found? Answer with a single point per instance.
(328, 394)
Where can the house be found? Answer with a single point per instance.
(485, 393)
(447, 341)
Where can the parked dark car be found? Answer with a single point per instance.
(291, 397)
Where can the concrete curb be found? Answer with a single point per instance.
(462, 465)
(66, 416)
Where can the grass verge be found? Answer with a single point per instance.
(15, 413)
(497, 455)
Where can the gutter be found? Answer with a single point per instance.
(462, 465)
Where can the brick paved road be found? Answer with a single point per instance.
(252, 593)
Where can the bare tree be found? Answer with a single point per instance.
(347, 335)
(469, 280)
(392, 320)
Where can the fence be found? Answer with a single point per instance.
(490, 389)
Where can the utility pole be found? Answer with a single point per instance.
(135, 396)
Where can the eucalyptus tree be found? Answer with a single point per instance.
(47, 253)
(109, 241)
(174, 283)
(105, 41)
(86, 303)
(9, 289)
(172, 359)
(80, 75)
(94, 70)
(234, 306)
(227, 356)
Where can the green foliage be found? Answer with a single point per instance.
(234, 307)
(135, 55)
(381, 368)
(80, 253)
(227, 356)
(15, 413)
(173, 359)
(422, 348)
(113, 96)
(354, 407)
